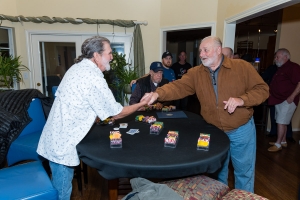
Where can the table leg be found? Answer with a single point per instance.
(113, 189)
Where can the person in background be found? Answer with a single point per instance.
(168, 73)
(82, 95)
(227, 90)
(284, 94)
(149, 84)
(267, 75)
(180, 68)
(236, 55)
(228, 52)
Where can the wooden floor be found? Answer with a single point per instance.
(277, 174)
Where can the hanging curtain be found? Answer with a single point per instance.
(139, 59)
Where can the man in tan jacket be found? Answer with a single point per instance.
(227, 90)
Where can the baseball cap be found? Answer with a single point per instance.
(156, 66)
(165, 54)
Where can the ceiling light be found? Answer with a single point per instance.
(275, 30)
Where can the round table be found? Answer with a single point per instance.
(144, 154)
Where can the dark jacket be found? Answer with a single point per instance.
(14, 117)
(143, 86)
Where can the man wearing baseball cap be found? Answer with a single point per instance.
(169, 73)
(149, 83)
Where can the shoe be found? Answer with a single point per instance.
(291, 139)
(283, 145)
(274, 148)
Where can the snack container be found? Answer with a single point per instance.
(115, 139)
(151, 120)
(172, 107)
(139, 118)
(203, 142)
(171, 139)
(165, 109)
(145, 119)
(111, 121)
(156, 128)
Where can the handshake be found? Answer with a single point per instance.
(149, 98)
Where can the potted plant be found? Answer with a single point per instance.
(10, 71)
(120, 76)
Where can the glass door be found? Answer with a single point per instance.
(56, 59)
(52, 56)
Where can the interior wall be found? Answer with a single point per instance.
(176, 13)
(289, 39)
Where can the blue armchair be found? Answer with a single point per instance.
(24, 147)
(26, 181)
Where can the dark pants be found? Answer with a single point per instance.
(273, 131)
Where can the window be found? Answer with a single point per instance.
(6, 41)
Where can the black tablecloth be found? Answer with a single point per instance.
(144, 154)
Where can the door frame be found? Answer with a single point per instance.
(164, 30)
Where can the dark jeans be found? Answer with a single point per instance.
(273, 131)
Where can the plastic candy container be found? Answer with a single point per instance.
(165, 109)
(151, 120)
(171, 139)
(168, 108)
(203, 142)
(139, 118)
(115, 139)
(108, 121)
(145, 119)
(156, 128)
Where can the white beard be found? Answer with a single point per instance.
(107, 67)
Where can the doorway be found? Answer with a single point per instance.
(187, 40)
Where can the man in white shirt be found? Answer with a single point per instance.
(82, 95)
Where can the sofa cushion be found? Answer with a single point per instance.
(198, 187)
(241, 195)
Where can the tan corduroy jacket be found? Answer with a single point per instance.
(236, 78)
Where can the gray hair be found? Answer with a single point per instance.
(285, 52)
(90, 46)
(215, 39)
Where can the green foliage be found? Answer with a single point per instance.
(123, 72)
(10, 69)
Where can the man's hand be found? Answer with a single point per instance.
(290, 99)
(153, 97)
(132, 82)
(232, 103)
(146, 98)
(159, 106)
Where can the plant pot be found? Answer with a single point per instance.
(127, 89)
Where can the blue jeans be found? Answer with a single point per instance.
(243, 155)
(62, 180)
